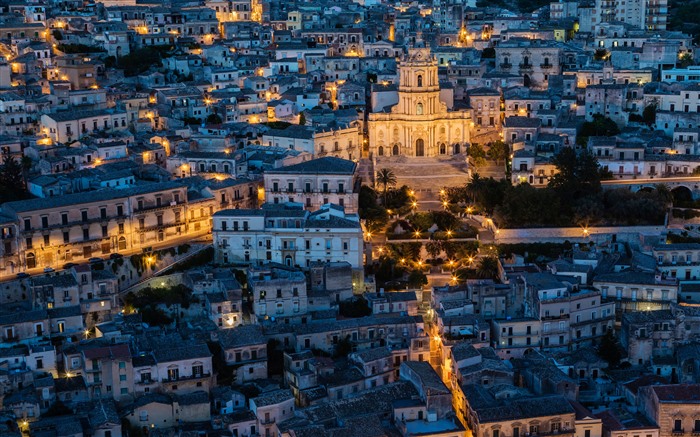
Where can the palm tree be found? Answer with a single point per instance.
(387, 178)
(664, 193)
(488, 268)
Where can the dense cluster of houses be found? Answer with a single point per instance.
(146, 131)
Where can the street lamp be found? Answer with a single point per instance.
(449, 234)
(414, 204)
(417, 234)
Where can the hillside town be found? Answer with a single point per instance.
(256, 218)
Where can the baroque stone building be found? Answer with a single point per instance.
(420, 124)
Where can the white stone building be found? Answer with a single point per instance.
(289, 235)
(314, 183)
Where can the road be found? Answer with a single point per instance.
(172, 242)
(678, 179)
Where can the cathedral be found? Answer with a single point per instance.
(419, 123)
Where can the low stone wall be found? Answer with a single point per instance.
(159, 282)
(577, 234)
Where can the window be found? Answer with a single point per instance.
(677, 425)
(173, 374)
(197, 371)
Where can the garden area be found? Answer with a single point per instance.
(151, 301)
(574, 197)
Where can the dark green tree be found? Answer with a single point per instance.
(12, 183)
(433, 248)
(609, 349)
(386, 178)
(578, 174)
(649, 114)
(214, 119)
(417, 279)
(498, 151)
(477, 154)
(488, 268)
(302, 119)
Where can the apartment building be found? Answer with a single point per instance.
(53, 231)
(488, 415)
(315, 183)
(633, 290)
(642, 14)
(511, 338)
(278, 292)
(244, 349)
(289, 235)
(673, 408)
(67, 126)
(363, 333)
(534, 60)
(681, 261)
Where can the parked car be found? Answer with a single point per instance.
(116, 256)
(48, 270)
(95, 260)
(22, 275)
(67, 266)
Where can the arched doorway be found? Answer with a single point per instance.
(288, 261)
(443, 148)
(420, 147)
(526, 80)
(395, 150)
(457, 149)
(380, 151)
(122, 243)
(31, 260)
(681, 195)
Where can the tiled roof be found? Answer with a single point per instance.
(87, 197)
(325, 165)
(244, 335)
(273, 398)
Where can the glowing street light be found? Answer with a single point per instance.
(417, 234)
(449, 234)
(414, 204)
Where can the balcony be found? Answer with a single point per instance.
(678, 432)
(10, 338)
(550, 433)
(596, 320)
(557, 317)
(546, 66)
(525, 67)
(187, 377)
(267, 421)
(506, 66)
(521, 334)
(153, 207)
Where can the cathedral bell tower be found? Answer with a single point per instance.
(419, 87)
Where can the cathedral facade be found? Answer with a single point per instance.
(420, 124)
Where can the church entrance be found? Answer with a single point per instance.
(395, 150)
(420, 147)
